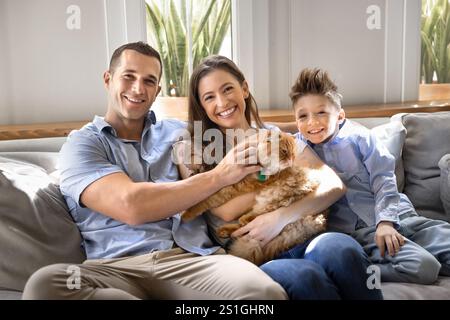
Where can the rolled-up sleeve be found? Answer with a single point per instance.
(381, 166)
(83, 160)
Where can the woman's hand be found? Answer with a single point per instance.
(263, 228)
(387, 236)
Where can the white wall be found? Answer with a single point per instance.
(369, 66)
(329, 39)
(54, 74)
(49, 73)
(5, 110)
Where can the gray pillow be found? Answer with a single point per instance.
(48, 161)
(444, 165)
(427, 140)
(36, 228)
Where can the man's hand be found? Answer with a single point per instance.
(387, 236)
(238, 162)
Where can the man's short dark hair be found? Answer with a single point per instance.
(141, 47)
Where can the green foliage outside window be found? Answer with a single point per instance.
(435, 34)
(167, 23)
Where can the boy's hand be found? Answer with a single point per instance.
(387, 236)
(263, 228)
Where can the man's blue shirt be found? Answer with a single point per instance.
(367, 169)
(95, 151)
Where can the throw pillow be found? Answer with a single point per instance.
(444, 165)
(36, 228)
(392, 135)
(427, 140)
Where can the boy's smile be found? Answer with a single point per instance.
(317, 117)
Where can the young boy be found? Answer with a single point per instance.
(372, 210)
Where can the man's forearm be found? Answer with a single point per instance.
(152, 202)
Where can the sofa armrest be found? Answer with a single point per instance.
(444, 166)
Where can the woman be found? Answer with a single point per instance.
(330, 266)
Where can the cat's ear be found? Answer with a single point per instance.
(245, 89)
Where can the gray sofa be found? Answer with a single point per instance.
(36, 228)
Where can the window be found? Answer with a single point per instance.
(435, 54)
(184, 32)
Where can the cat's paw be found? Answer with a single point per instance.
(187, 216)
(226, 230)
(246, 218)
(223, 233)
(321, 219)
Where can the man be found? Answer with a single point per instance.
(120, 185)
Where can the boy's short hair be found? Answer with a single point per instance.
(315, 81)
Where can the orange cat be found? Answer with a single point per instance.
(285, 184)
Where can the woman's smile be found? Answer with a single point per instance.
(227, 113)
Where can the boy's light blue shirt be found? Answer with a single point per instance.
(367, 169)
(95, 151)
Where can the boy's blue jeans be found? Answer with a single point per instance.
(329, 266)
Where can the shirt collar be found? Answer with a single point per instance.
(101, 124)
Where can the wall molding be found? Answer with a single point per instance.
(125, 21)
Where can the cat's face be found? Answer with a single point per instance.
(276, 151)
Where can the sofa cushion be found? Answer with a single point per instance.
(10, 295)
(36, 228)
(392, 135)
(427, 140)
(440, 290)
(444, 165)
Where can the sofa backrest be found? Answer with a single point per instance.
(34, 145)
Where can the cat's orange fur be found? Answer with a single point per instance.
(287, 185)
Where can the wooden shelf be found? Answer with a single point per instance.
(42, 130)
(177, 108)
